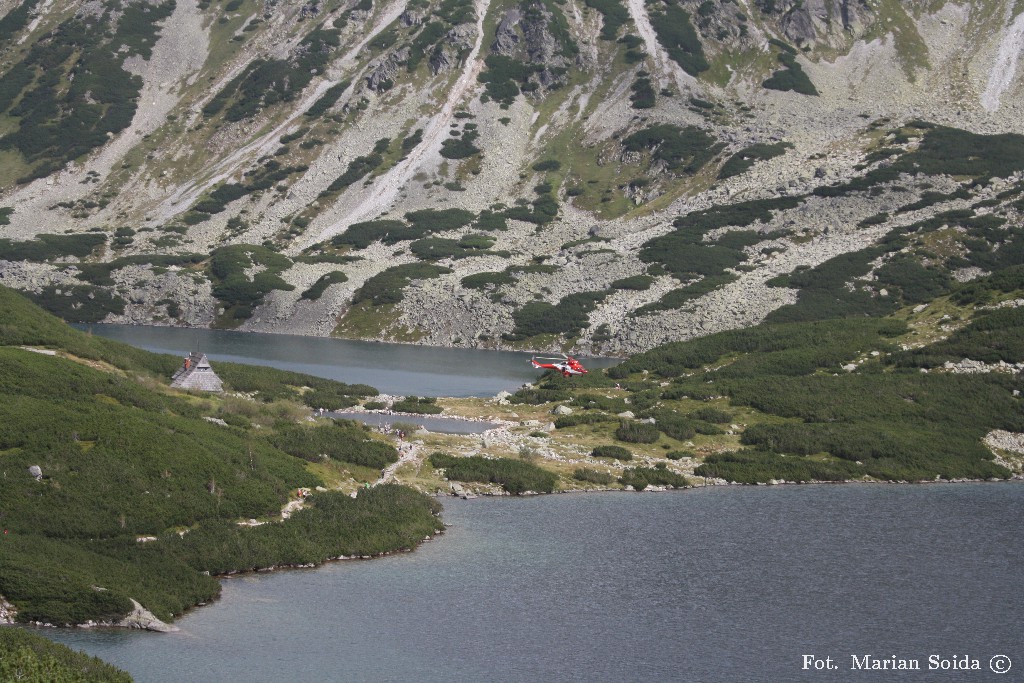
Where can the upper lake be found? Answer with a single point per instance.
(400, 369)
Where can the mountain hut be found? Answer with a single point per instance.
(195, 373)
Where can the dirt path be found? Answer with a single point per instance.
(268, 142)
(407, 452)
(291, 507)
(1005, 66)
(386, 187)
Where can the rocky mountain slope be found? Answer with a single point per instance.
(600, 175)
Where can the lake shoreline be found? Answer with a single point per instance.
(374, 340)
(282, 568)
(7, 611)
(674, 577)
(721, 483)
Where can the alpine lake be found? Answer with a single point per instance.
(731, 583)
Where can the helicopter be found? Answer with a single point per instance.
(567, 365)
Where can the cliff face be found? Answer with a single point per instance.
(535, 173)
(834, 22)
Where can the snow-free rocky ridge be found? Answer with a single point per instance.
(550, 144)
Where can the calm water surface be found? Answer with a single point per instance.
(401, 369)
(717, 584)
(443, 425)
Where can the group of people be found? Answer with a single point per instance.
(386, 429)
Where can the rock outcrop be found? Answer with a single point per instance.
(526, 33)
(457, 41)
(833, 22)
(7, 611)
(382, 76)
(142, 618)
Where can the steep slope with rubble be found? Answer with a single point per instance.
(598, 175)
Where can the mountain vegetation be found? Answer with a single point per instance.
(141, 489)
(25, 656)
(800, 224)
(734, 200)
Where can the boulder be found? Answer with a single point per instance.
(7, 612)
(506, 38)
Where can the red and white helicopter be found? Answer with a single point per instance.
(567, 365)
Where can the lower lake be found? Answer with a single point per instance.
(711, 584)
(400, 369)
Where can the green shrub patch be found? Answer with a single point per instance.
(568, 316)
(590, 476)
(234, 289)
(69, 92)
(616, 452)
(320, 286)
(387, 286)
(415, 404)
(26, 656)
(677, 35)
(636, 432)
(515, 476)
(46, 248)
(685, 150)
(343, 440)
(642, 477)
(744, 159)
(791, 77)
